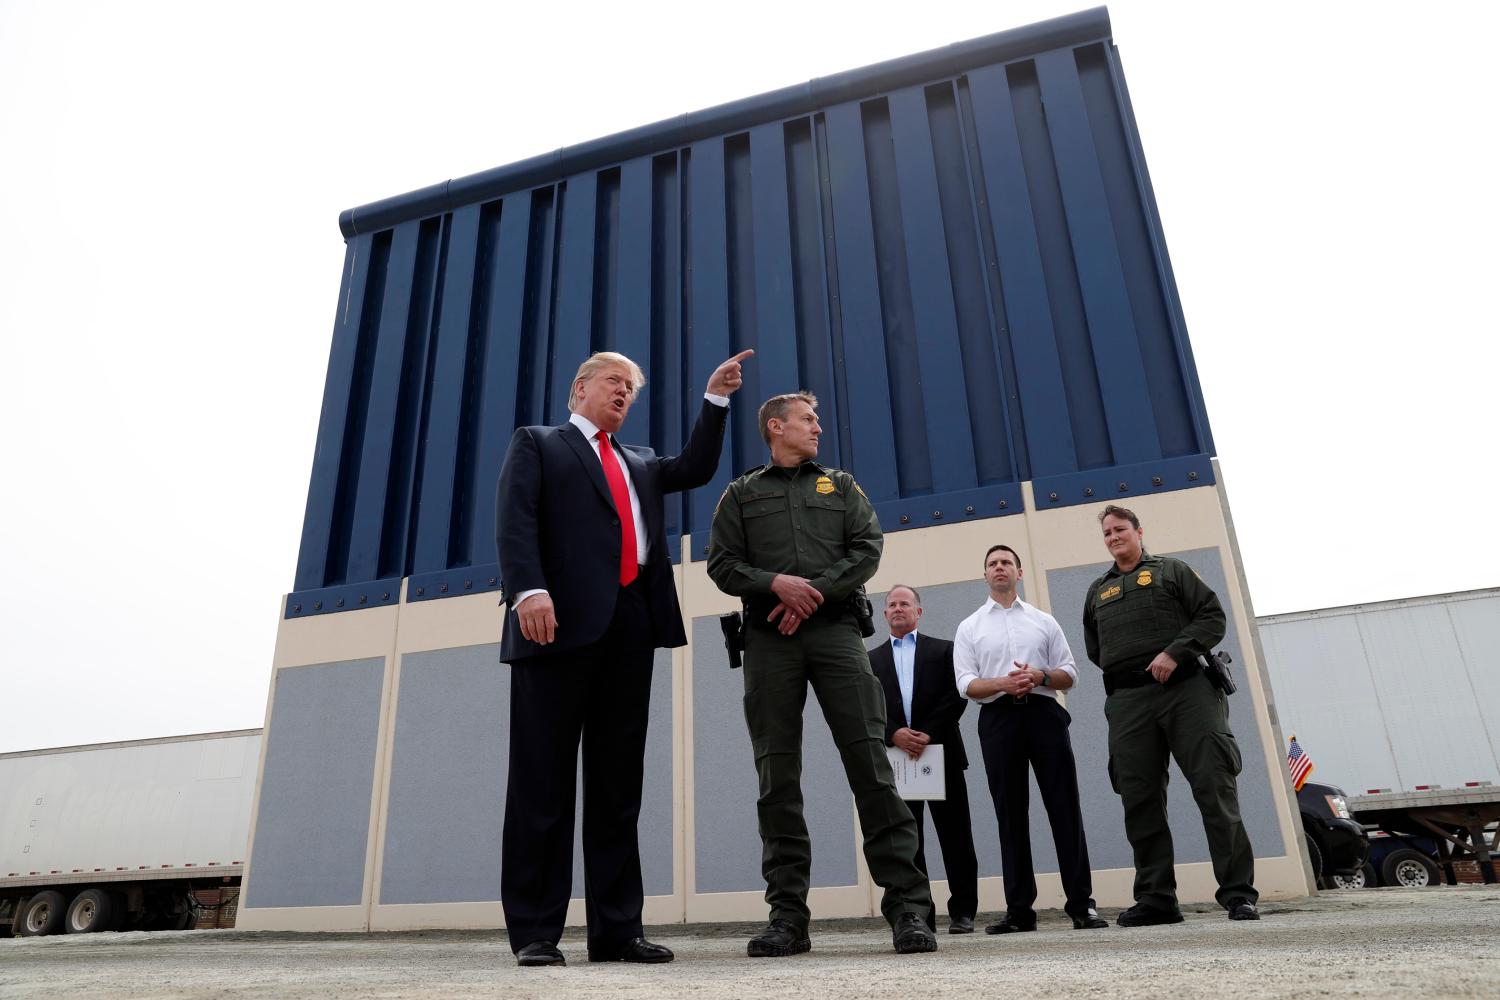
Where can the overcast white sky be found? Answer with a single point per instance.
(171, 176)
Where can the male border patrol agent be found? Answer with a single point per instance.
(795, 540)
(1145, 623)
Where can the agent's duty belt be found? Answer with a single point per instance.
(1116, 680)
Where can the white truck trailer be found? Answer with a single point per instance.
(144, 834)
(1399, 703)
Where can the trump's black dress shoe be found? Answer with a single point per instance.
(635, 950)
(540, 953)
(960, 925)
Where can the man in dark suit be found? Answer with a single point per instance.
(588, 580)
(922, 707)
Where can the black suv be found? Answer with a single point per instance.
(1336, 844)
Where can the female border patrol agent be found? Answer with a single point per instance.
(1145, 622)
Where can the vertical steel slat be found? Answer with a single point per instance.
(633, 300)
(708, 333)
(317, 521)
(380, 420)
(774, 368)
(573, 333)
(1044, 401)
(1187, 366)
(441, 456)
(810, 261)
(873, 445)
(1122, 374)
(501, 376)
(950, 437)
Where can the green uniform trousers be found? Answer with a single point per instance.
(1191, 721)
(778, 669)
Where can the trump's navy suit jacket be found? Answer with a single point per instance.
(557, 529)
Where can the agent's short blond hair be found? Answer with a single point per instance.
(777, 408)
(597, 362)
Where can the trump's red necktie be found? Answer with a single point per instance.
(629, 567)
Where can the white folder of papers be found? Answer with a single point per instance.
(921, 779)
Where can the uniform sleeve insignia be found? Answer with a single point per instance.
(856, 486)
(721, 501)
(824, 485)
(1144, 580)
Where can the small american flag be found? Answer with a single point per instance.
(1300, 764)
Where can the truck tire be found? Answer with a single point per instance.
(42, 914)
(1409, 868)
(1364, 878)
(92, 910)
(1315, 858)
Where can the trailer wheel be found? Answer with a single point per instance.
(42, 914)
(92, 911)
(1409, 868)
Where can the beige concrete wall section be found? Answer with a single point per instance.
(301, 642)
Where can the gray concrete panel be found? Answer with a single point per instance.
(1103, 817)
(449, 771)
(447, 791)
(728, 839)
(314, 817)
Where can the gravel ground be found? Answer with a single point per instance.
(1440, 942)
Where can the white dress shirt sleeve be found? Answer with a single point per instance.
(965, 661)
(1059, 653)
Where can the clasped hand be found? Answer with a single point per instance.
(910, 741)
(799, 601)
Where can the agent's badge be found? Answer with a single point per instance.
(824, 485)
(1144, 580)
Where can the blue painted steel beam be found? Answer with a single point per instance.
(1044, 401)
(1101, 280)
(707, 335)
(573, 332)
(500, 341)
(867, 401)
(380, 428)
(789, 102)
(940, 365)
(441, 465)
(318, 520)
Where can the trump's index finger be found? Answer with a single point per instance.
(741, 356)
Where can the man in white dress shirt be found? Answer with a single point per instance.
(1012, 659)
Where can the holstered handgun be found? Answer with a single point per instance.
(733, 627)
(1216, 668)
(863, 611)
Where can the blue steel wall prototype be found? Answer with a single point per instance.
(969, 272)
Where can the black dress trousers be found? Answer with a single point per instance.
(1013, 736)
(601, 693)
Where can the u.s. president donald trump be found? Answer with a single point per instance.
(585, 569)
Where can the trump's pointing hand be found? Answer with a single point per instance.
(728, 377)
